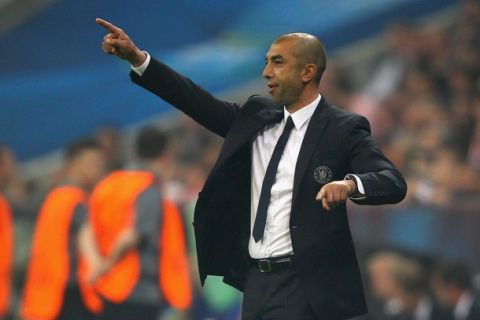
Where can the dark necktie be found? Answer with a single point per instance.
(268, 180)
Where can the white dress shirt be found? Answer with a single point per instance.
(276, 239)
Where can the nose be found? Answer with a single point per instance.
(267, 71)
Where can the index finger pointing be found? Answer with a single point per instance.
(107, 25)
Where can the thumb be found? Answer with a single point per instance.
(320, 194)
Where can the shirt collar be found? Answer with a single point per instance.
(301, 116)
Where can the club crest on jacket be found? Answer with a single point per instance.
(322, 174)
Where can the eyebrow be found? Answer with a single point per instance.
(275, 57)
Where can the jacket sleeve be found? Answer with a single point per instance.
(382, 182)
(212, 113)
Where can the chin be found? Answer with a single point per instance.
(278, 100)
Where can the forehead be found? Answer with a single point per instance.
(284, 48)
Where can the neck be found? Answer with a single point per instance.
(304, 100)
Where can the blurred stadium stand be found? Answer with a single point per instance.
(56, 84)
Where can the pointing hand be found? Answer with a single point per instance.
(335, 193)
(117, 43)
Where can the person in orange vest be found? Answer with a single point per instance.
(140, 236)
(6, 233)
(55, 285)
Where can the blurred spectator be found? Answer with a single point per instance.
(11, 185)
(55, 286)
(109, 139)
(136, 237)
(381, 271)
(336, 82)
(190, 140)
(413, 295)
(402, 284)
(423, 103)
(400, 56)
(452, 285)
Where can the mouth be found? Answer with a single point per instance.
(271, 88)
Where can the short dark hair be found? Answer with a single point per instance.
(453, 273)
(76, 147)
(150, 143)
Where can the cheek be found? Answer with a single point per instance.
(293, 81)
(292, 89)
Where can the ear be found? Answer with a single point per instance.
(308, 73)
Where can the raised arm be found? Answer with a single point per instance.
(214, 114)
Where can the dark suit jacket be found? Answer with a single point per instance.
(322, 244)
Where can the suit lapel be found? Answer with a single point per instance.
(314, 131)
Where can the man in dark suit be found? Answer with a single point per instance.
(271, 218)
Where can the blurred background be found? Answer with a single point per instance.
(412, 67)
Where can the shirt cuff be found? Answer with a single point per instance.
(361, 190)
(141, 69)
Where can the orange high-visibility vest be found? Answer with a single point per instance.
(6, 255)
(49, 266)
(112, 210)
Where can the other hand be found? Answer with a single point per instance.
(118, 43)
(336, 192)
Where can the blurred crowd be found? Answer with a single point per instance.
(422, 98)
(404, 286)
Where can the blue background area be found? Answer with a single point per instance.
(56, 84)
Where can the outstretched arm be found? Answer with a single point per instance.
(214, 114)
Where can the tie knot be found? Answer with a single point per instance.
(289, 125)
